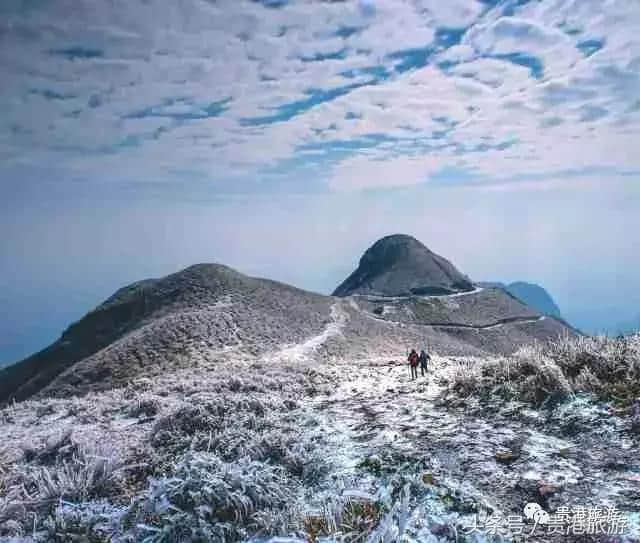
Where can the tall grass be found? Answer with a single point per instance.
(606, 367)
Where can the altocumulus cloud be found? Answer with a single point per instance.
(359, 94)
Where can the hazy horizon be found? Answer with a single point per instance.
(79, 254)
(282, 138)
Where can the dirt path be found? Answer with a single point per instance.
(500, 322)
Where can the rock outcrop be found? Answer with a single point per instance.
(400, 265)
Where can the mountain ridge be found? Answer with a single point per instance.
(210, 313)
(128, 309)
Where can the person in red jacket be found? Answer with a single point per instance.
(413, 363)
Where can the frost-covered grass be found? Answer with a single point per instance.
(221, 453)
(87, 474)
(604, 366)
(207, 499)
(252, 450)
(225, 453)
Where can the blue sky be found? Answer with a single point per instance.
(234, 115)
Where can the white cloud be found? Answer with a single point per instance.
(495, 73)
(157, 74)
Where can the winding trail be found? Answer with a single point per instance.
(380, 298)
(303, 351)
(441, 324)
(496, 324)
(488, 326)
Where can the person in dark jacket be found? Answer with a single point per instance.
(635, 417)
(424, 361)
(413, 363)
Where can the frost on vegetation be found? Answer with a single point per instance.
(59, 496)
(358, 516)
(402, 511)
(606, 367)
(344, 518)
(92, 521)
(262, 429)
(88, 473)
(221, 448)
(144, 406)
(207, 499)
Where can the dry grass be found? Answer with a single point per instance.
(351, 519)
(606, 367)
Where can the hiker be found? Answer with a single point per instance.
(413, 363)
(635, 417)
(424, 361)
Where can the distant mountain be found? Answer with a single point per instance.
(209, 314)
(531, 294)
(400, 265)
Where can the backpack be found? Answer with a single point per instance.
(413, 359)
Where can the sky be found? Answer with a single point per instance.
(284, 137)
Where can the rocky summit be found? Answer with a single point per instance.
(400, 265)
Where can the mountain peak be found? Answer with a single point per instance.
(398, 265)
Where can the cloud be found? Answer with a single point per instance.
(233, 91)
(182, 109)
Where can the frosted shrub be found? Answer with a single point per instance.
(90, 522)
(393, 525)
(208, 499)
(607, 367)
(176, 430)
(344, 518)
(86, 475)
(10, 511)
(227, 454)
(358, 517)
(144, 406)
(466, 376)
(33, 493)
